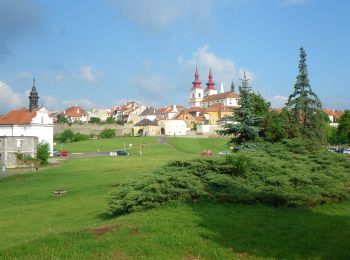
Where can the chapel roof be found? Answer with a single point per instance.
(18, 117)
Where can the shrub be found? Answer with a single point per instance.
(68, 136)
(43, 153)
(107, 133)
(95, 120)
(274, 174)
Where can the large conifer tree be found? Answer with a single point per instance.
(304, 107)
(242, 124)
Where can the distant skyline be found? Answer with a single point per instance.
(99, 53)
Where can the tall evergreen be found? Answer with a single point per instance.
(304, 107)
(242, 123)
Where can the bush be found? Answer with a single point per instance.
(273, 174)
(107, 133)
(95, 120)
(43, 153)
(68, 136)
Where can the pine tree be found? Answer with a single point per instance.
(242, 123)
(304, 107)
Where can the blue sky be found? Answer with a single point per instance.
(103, 52)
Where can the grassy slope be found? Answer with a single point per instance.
(105, 144)
(34, 224)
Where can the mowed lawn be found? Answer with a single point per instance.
(36, 225)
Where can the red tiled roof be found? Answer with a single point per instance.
(220, 96)
(334, 113)
(75, 111)
(17, 117)
(218, 107)
(196, 109)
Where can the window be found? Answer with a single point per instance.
(42, 119)
(19, 142)
(199, 94)
(192, 95)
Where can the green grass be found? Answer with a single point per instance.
(198, 145)
(109, 144)
(36, 225)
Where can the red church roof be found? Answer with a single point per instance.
(196, 83)
(210, 83)
(18, 117)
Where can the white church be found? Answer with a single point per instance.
(209, 96)
(32, 122)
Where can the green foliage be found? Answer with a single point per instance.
(286, 173)
(260, 105)
(43, 153)
(107, 133)
(273, 126)
(304, 107)
(344, 127)
(26, 159)
(242, 124)
(95, 120)
(110, 120)
(68, 136)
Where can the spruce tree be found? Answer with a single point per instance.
(304, 107)
(242, 124)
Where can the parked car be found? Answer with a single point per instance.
(346, 151)
(119, 153)
(55, 152)
(62, 153)
(207, 153)
(224, 152)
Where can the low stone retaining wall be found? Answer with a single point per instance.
(87, 128)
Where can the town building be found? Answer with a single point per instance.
(101, 113)
(334, 116)
(76, 114)
(200, 97)
(129, 112)
(31, 122)
(12, 146)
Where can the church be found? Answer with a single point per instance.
(28, 122)
(209, 96)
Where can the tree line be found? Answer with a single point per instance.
(301, 117)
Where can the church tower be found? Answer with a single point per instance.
(196, 91)
(210, 90)
(33, 98)
(232, 87)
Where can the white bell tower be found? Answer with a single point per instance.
(196, 94)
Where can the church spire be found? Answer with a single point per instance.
(232, 87)
(33, 98)
(210, 83)
(196, 83)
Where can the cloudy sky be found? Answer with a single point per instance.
(103, 52)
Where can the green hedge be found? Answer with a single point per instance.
(286, 173)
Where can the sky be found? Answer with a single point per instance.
(100, 53)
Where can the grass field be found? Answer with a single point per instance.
(105, 145)
(36, 225)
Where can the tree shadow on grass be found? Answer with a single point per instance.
(256, 230)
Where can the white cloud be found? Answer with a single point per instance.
(153, 89)
(223, 69)
(294, 2)
(10, 99)
(87, 73)
(278, 101)
(159, 14)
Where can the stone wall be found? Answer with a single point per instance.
(93, 128)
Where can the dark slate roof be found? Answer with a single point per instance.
(146, 122)
(148, 111)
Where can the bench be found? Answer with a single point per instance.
(59, 192)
